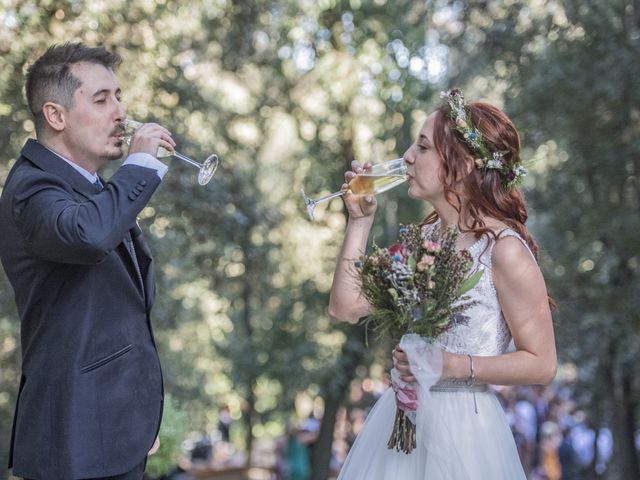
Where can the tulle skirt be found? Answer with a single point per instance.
(453, 442)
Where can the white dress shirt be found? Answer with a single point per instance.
(140, 158)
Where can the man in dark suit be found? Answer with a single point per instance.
(90, 397)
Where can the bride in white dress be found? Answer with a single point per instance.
(465, 163)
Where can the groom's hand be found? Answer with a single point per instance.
(401, 364)
(149, 137)
(154, 447)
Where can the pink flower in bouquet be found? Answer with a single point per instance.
(433, 247)
(425, 262)
(398, 252)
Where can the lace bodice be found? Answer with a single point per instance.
(486, 331)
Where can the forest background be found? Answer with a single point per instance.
(287, 93)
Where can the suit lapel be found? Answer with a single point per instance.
(48, 161)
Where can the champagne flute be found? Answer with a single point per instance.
(206, 168)
(376, 179)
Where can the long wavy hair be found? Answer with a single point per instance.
(481, 193)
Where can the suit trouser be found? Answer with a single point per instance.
(134, 474)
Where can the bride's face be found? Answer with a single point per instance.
(424, 165)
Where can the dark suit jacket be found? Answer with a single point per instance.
(90, 398)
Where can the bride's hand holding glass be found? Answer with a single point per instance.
(364, 182)
(358, 206)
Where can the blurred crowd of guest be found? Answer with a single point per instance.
(293, 450)
(554, 439)
(552, 433)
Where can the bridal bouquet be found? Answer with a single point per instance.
(416, 285)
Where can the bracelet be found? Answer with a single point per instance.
(472, 376)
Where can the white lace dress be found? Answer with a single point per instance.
(454, 442)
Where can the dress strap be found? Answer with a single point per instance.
(509, 232)
(485, 257)
(429, 228)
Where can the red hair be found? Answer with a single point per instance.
(483, 193)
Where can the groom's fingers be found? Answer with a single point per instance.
(154, 447)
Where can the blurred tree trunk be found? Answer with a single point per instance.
(352, 355)
(250, 412)
(249, 420)
(624, 461)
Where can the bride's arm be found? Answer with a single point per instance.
(523, 297)
(346, 302)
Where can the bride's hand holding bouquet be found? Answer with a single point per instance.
(416, 288)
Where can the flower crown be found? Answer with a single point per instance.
(511, 173)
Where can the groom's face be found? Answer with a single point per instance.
(92, 123)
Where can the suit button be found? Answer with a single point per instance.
(132, 196)
(139, 189)
(142, 183)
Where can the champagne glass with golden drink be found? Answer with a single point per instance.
(376, 179)
(206, 169)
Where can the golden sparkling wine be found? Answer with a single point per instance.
(130, 129)
(163, 152)
(365, 184)
(376, 179)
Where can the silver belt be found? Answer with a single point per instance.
(458, 386)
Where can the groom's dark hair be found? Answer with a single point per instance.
(49, 79)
